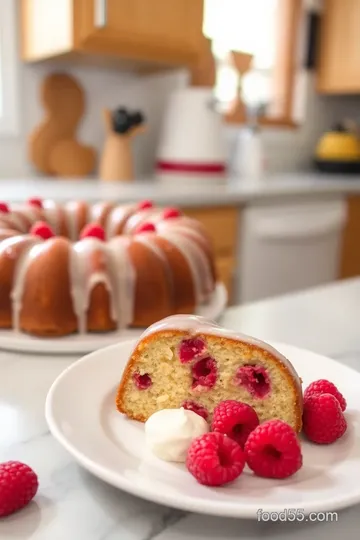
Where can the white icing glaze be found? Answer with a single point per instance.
(71, 211)
(196, 325)
(89, 265)
(125, 282)
(92, 261)
(32, 245)
(197, 262)
(116, 216)
(147, 239)
(96, 210)
(29, 211)
(140, 217)
(15, 221)
(184, 226)
(52, 214)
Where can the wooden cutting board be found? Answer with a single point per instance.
(53, 147)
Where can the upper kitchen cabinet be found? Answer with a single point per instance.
(143, 33)
(339, 48)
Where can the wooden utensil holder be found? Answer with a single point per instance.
(116, 164)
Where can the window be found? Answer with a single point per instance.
(255, 45)
(8, 71)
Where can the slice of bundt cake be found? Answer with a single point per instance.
(187, 361)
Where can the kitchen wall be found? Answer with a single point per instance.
(103, 88)
(286, 149)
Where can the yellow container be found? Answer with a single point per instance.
(338, 145)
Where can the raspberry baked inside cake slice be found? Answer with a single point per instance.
(188, 361)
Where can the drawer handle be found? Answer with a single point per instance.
(100, 13)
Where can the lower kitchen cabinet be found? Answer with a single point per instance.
(225, 267)
(350, 253)
(221, 224)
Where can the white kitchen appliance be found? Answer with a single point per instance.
(192, 141)
(288, 247)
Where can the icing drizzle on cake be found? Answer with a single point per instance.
(92, 261)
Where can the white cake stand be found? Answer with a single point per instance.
(86, 343)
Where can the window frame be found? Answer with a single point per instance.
(286, 64)
(9, 117)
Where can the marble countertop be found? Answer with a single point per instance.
(73, 505)
(183, 191)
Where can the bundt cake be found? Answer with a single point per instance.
(187, 361)
(97, 268)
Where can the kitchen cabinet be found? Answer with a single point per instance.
(139, 32)
(225, 267)
(338, 69)
(289, 246)
(222, 226)
(350, 257)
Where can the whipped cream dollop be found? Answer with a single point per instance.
(169, 433)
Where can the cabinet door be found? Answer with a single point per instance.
(225, 267)
(339, 47)
(221, 224)
(159, 30)
(350, 258)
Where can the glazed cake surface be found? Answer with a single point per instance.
(185, 360)
(151, 263)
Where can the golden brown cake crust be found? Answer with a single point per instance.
(155, 272)
(47, 305)
(120, 401)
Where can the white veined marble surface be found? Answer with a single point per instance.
(73, 505)
(183, 190)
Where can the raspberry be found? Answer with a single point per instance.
(254, 379)
(93, 230)
(18, 486)
(214, 459)
(273, 450)
(323, 420)
(142, 381)
(4, 208)
(204, 373)
(190, 405)
(322, 386)
(145, 227)
(170, 213)
(234, 419)
(35, 202)
(190, 349)
(145, 205)
(42, 229)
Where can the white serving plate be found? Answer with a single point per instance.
(86, 343)
(81, 414)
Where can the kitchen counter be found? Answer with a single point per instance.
(73, 505)
(182, 191)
